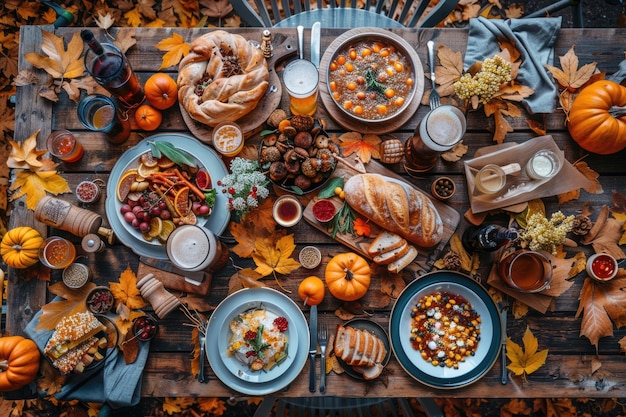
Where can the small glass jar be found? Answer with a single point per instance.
(287, 211)
(543, 165)
(76, 275)
(88, 192)
(602, 267)
(57, 252)
(310, 257)
(228, 138)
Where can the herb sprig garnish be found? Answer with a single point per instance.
(372, 82)
(257, 344)
(343, 222)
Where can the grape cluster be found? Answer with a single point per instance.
(486, 83)
(546, 234)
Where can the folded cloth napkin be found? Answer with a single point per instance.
(534, 38)
(115, 383)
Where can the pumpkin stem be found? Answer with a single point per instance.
(617, 111)
(4, 365)
(349, 274)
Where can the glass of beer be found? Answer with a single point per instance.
(63, 145)
(301, 79)
(100, 113)
(108, 65)
(439, 131)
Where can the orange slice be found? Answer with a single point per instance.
(156, 226)
(145, 170)
(190, 218)
(148, 160)
(125, 183)
(164, 162)
(181, 202)
(168, 227)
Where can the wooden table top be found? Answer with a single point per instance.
(569, 370)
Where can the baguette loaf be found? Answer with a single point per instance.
(396, 207)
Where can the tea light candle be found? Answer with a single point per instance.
(543, 165)
(602, 267)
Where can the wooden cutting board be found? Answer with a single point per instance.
(426, 257)
(253, 121)
(175, 282)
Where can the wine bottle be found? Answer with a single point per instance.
(487, 238)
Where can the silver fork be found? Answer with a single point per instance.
(435, 100)
(322, 340)
(202, 342)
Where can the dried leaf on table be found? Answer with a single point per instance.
(273, 256)
(219, 8)
(213, 406)
(579, 265)
(195, 302)
(58, 61)
(561, 275)
(73, 302)
(601, 305)
(497, 109)
(124, 322)
(619, 202)
(125, 40)
(365, 146)
(570, 76)
(608, 239)
(526, 360)
(519, 309)
(595, 365)
(25, 155)
(456, 153)
(126, 292)
(597, 225)
(515, 407)
(130, 348)
(176, 48)
(514, 11)
(392, 284)
(448, 72)
(34, 186)
(594, 186)
(195, 361)
(350, 310)
(257, 224)
(51, 381)
(133, 17)
(104, 21)
(245, 278)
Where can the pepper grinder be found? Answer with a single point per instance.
(266, 44)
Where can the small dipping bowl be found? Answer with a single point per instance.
(443, 188)
(310, 257)
(287, 210)
(324, 210)
(100, 300)
(145, 328)
(76, 275)
(602, 267)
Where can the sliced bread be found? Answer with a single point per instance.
(392, 255)
(401, 263)
(385, 241)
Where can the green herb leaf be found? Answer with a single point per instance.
(297, 190)
(329, 190)
(210, 197)
(178, 156)
(268, 131)
(372, 83)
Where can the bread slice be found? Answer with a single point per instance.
(360, 349)
(401, 263)
(392, 255)
(71, 332)
(385, 241)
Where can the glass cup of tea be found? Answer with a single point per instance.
(301, 80)
(63, 145)
(57, 252)
(100, 113)
(108, 65)
(439, 131)
(526, 270)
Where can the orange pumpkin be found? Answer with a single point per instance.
(161, 91)
(20, 247)
(597, 119)
(148, 118)
(311, 290)
(19, 362)
(348, 276)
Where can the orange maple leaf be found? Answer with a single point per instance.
(176, 48)
(73, 302)
(57, 61)
(126, 292)
(362, 227)
(365, 146)
(25, 155)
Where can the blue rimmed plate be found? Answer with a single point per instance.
(474, 367)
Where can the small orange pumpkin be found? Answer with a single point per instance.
(597, 119)
(311, 290)
(348, 276)
(148, 118)
(19, 362)
(161, 91)
(20, 247)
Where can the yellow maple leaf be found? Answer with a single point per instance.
(59, 62)
(365, 146)
(73, 302)
(212, 405)
(526, 360)
(25, 155)
(126, 291)
(133, 17)
(176, 48)
(171, 406)
(34, 186)
(274, 257)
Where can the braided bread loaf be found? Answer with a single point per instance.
(222, 79)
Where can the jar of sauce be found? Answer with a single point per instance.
(602, 267)
(287, 211)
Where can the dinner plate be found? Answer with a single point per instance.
(474, 367)
(236, 303)
(243, 371)
(216, 222)
(375, 329)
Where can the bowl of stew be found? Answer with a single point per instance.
(373, 76)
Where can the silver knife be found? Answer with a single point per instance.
(192, 277)
(315, 43)
(312, 346)
(503, 374)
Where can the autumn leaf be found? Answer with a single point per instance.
(361, 227)
(274, 257)
(570, 76)
(497, 108)
(130, 348)
(195, 361)
(258, 223)
(456, 153)
(608, 238)
(34, 185)
(365, 146)
(601, 305)
(125, 40)
(51, 381)
(219, 8)
(449, 71)
(212, 405)
(59, 62)
(104, 21)
(245, 278)
(26, 155)
(526, 360)
(73, 302)
(126, 292)
(594, 186)
(176, 48)
(392, 285)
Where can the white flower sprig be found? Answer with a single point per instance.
(246, 186)
(546, 234)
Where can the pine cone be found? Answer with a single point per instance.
(581, 225)
(452, 261)
(302, 123)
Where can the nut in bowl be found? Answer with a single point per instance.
(443, 188)
(297, 153)
(371, 76)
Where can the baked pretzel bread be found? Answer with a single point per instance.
(71, 332)
(223, 78)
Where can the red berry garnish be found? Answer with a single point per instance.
(250, 335)
(281, 323)
(250, 353)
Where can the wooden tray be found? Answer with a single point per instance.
(253, 121)
(426, 257)
(341, 117)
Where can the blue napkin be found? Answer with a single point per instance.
(115, 383)
(534, 38)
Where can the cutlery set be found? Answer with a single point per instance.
(318, 336)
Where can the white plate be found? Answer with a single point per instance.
(217, 336)
(242, 370)
(410, 359)
(216, 222)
